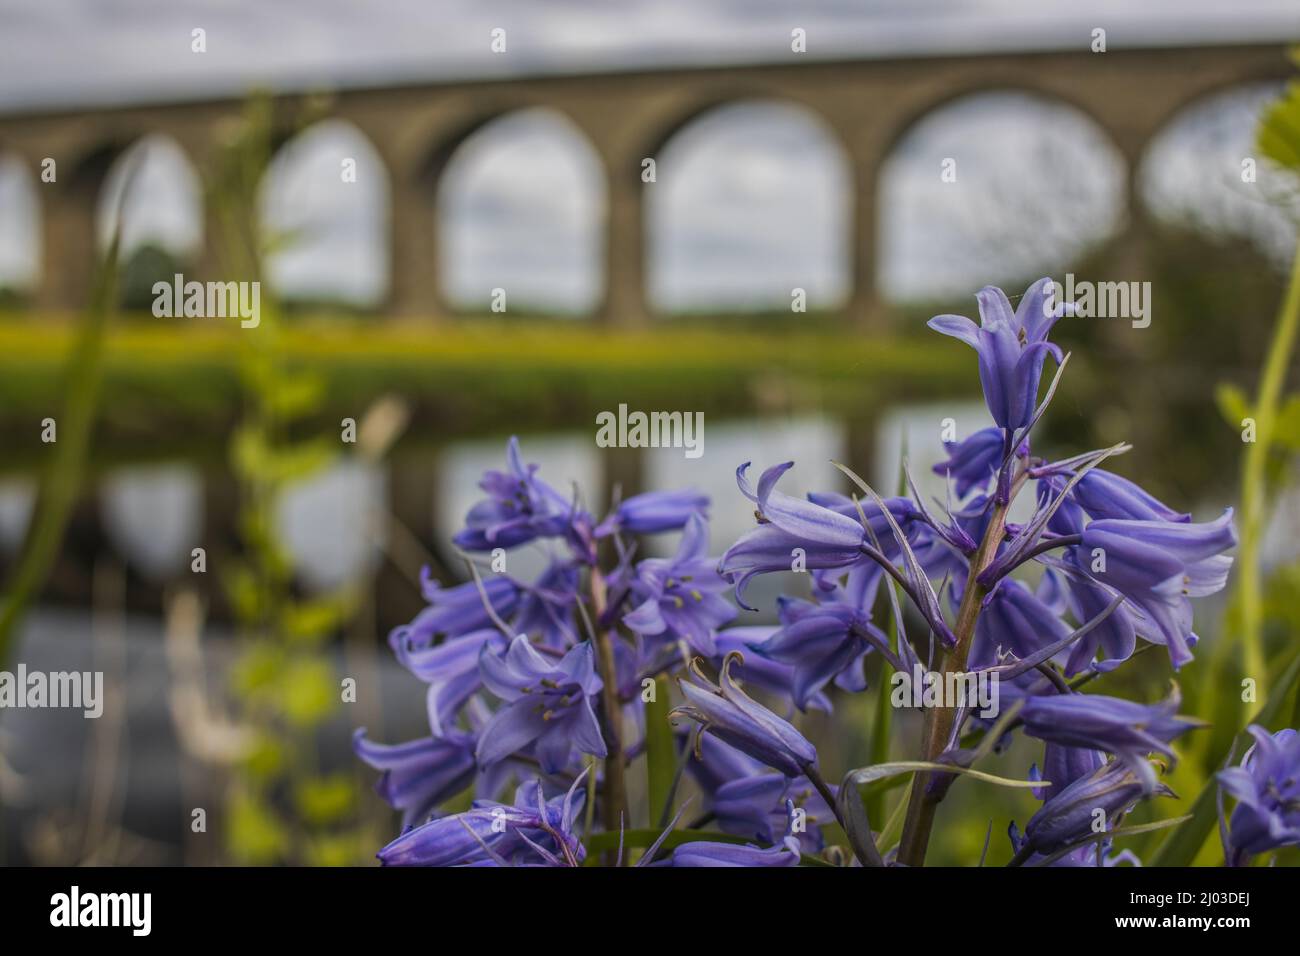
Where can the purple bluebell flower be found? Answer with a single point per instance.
(1099, 854)
(1115, 636)
(734, 717)
(1104, 494)
(755, 807)
(451, 669)
(546, 606)
(767, 674)
(822, 642)
(1012, 346)
(519, 508)
(1068, 817)
(456, 610)
(708, 853)
(420, 774)
(826, 538)
(974, 462)
(1159, 566)
(533, 831)
(1013, 619)
(547, 705)
(680, 597)
(1266, 786)
(713, 764)
(1063, 765)
(654, 511)
(1124, 728)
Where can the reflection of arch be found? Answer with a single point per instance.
(995, 186)
(1191, 173)
(164, 206)
(520, 204)
(325, 202)
(753, 199)
(20, 228)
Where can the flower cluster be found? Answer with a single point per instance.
(538, 684)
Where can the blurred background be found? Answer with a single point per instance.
(743, 209)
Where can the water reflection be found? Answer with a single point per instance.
(333, 523)
(17, 498)
(154, 516)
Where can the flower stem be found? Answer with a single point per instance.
(937, 726)
(615, 802)
(1253, 483)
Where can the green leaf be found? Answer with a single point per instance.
(1286, 430)
(1184, 843)
(310, 692)
(1278, 134)
(322, 800)
(1233, 404)
(661, 753)
(875, 776)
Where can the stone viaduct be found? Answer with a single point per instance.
(627, 116)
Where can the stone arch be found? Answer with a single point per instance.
(784, 180)
(325, 204)
(1201, 171)
(997, 155)
(520, 205)
(20, 228)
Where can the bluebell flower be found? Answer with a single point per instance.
(451, 669)
(680, 597)
(654, 511)
(547, 705)
(1158, 566)
(546, 606)
(708, 853)
(1124, 728)
(1012, 346)
(825, 537)
(713, 764)
(1104, 494)
(533, 831)
(1068, 817)
(519, 508)
(822, 642)
(755, 807)
(1063, 765)
(974, 462)
(1013, 619)
(1068, 585)
(1266, 786)
(420, 774)
(767, 674)
(456, 610)
(726, 711)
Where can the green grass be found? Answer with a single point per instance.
(176, 381)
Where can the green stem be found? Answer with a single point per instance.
(937, 724)
(1253, 481)
(615, 803)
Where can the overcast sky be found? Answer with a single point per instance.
(68, 51)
